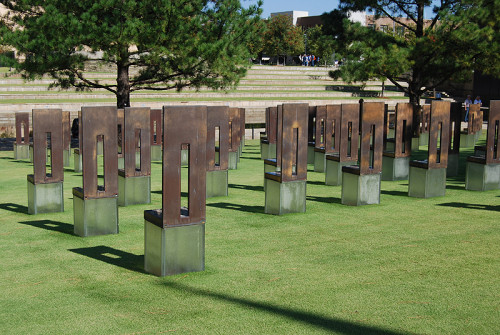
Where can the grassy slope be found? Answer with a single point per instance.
(426, 266)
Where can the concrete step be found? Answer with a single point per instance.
(282, 68)
(284, 88)
(256, 105)
(287, 77)
(198, 95)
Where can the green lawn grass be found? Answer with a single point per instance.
(406, 266)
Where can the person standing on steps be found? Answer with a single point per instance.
(467, 104)
(478, 101)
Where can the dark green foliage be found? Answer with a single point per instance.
(152, 44)
(281, 37)
(320, 44)
(460, 37)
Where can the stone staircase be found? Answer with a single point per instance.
(262, 87)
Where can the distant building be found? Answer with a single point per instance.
(387, 24)
(293, 14)
(302, 19)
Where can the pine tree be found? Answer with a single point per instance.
(460, 37)
(152, 44)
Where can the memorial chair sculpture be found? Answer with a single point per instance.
(21, 146)
(95, 206)
(174, 236)
(345, 148)
(45, 185)
(361, 183)
(274, 164)
(217, 150)
(396, 160)
(428, 178)
(120, 142)
(263, 141)
(285, 191)
(234, 138)
(470, 135)
(242, 130)
(66, 129)
(424, 126)
(452, 167)
(134, 180)
(268, 144)
(156, 134)
(319, 143)
(311, 134)
(77, 157)
(483, 172)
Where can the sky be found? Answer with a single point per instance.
(314, 7)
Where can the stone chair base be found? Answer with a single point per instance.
(173, 250)
(453, 165)
(232, 160)
(423, 139)
(134, 190)
(286, 197)
(468, 140)
(426, 183)
(21, 151)
(310, 153)
(359, 190)
(97, 216)
(156, 154)
(268, 150)
(333, 171)
(319, 161)
(100, 148)
(184, 157)
(45, 198)
(77, 159)
(415, 143)
(66, 158)
(264, 150)
(395, 168)
(482, 177)
(217, 183)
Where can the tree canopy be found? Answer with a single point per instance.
(320, 44)
(281, 37)
(461, 36)
(152, 44)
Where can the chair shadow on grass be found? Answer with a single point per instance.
(61, 227)
(12, 207)
(113, 256)
(247, 187)
(471, 206)
(183, 194)
(455, 187)
(238, 207)
(326, 200)
(323, 322)
(395, 193)
(256, 158)
(313, 182)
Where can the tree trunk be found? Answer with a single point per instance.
(417, 108)
(123, 87)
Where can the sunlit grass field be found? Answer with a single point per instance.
(406, 266)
